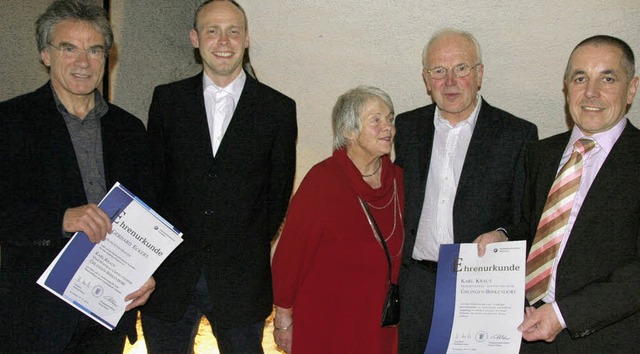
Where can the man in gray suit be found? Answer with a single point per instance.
(464, 173)
(590, 303)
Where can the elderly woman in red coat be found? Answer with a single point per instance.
(330, 271)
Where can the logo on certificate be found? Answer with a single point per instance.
(97, 291)
(481, 336)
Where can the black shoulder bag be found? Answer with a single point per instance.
(391, 306)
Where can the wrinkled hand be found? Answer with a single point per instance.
(141, 295)
(540, 324)
(90, 219)
(283, 337)
(487, 238)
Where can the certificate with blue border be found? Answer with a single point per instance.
(479, 301)
(96, 277)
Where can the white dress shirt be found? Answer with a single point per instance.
(450, 146)
(220, 103)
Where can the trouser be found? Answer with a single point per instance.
(417, 293)
(178, 337)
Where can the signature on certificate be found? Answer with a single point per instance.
(84, 282)
(110, 300)
(500, 336)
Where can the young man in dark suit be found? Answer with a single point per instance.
(590, 301)
(61, 148)
(463, 162)
(224, 152)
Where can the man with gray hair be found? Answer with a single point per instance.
(61, 148)
(464, 173)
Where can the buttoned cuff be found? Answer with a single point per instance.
(559, 314)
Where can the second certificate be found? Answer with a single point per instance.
(479, 300)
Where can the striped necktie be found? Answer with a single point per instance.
(553, 223)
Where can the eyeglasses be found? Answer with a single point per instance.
(71, 51)
(460, 70)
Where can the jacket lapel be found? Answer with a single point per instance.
(613, 173)
(195, 112)
(484, 135)
(61, 156)
(426, 148)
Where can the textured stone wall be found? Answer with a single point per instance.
(315, 50)
(20, 68)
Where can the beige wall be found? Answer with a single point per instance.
(314, 50)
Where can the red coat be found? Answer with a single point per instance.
(328, 265)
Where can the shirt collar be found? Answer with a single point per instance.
(438, 121)
(234, 88)
(99, 110)
(605, 140)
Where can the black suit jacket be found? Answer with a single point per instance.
(488, 196)
(598, 278)
(39, 180)
(228, 207)
(490, 189)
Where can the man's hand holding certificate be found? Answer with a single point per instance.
(479, 300)
(95, 278)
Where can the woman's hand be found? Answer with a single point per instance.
(283, 328)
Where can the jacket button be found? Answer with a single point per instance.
(212, 175)
(208, 212)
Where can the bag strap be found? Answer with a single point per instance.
(376, 232)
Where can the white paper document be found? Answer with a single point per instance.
(95, 278)
(479, 300)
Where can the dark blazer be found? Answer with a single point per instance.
(488, 196)
(598, 279)
(490, 189)
(228, 207)
(39, 180)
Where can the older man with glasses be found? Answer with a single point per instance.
(61, 148)
(464, 173)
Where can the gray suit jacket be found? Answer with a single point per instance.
(598, 279)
